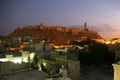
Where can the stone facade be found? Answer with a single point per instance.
(116, 68)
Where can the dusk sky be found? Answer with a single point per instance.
(102, 15)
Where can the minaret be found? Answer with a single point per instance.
(85, 26)
(41, 24)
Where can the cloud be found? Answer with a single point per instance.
(107, 31)
(104, 28)
(110, 35)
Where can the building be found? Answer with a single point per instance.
(43, 46)
(16, 57)
(85, 26)
(116, 68)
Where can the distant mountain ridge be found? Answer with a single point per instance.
(55, 34)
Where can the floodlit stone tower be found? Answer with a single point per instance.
(85, 26)
(41, 24)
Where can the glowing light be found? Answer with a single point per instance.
(19, 48)
(32, 55)
(119, 41)
(62, 46)
(4, 60)
(16, 60)
(44, 63)
(113, 42)
(39, 66)
(31, 40)
(40, 69)
(25, 60)
(108, 42)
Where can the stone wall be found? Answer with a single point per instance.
(73, 67)
(116, 71)
(74, 70)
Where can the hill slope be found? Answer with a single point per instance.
(56, 34)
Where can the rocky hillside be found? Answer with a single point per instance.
(55, 34)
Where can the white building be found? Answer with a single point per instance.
(19, 58)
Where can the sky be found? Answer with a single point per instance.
(103, 15)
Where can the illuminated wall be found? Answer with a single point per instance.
(23, 58)
(116, 71)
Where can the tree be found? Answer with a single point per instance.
(96, 53)
(35, 62)
(29, 61)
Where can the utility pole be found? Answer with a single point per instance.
(42, 54)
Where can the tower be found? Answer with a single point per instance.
(85, 26)
(41, 24)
